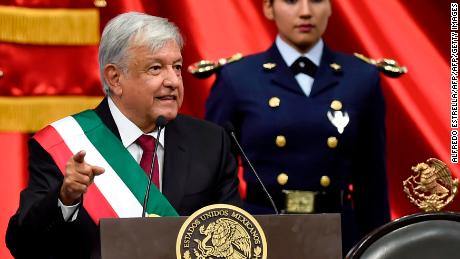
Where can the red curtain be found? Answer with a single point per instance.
(415, 33)
(13, 153)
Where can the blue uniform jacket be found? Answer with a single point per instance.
(312, 148)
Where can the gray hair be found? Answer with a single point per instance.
(133, 28)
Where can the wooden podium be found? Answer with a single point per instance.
(288, 236)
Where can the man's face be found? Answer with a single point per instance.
(151, 86)
(300, 23)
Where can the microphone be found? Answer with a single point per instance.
(160, 124)
(231, 131)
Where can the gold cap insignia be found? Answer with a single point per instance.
(280, 141)
(336, 67)
(221, 231)
(431, 187)
(336, 105)
(205, 68)
(388, 67)
(282, 179)
(332, 142)
(274, 102)
(325, 181)
(269, 66)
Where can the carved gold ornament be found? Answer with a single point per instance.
(431, 187)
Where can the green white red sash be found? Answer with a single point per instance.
(119, 191)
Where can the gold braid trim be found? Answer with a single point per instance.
(29, 114)
(49, 26)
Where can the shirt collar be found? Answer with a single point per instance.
(290, 55)
(129, 132)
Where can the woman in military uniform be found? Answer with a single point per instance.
(311, 121)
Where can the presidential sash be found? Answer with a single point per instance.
(119, 191)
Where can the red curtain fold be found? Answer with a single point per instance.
(13, 153)
(31, 70)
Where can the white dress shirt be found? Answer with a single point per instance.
(290, 55)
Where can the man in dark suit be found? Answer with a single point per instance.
(311, 121)
(97, 152)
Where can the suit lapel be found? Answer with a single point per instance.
(326, 77)
(176, 162)
(281, 74)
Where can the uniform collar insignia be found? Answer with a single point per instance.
(336, 67)
(269, 66)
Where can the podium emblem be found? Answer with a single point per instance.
(432, 187)
(221, 231)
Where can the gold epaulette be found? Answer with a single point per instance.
(388, 67)
(205, 68)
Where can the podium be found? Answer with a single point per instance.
(288, 236)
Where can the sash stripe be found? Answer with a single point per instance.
(51, 141)
(95, 203)
(119, 191)
(123, 163)
(123, 202)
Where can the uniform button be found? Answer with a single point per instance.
(280, 141)
(282, 178)
(336, 105)
(332, 142)
(325, 181)
(274, 102)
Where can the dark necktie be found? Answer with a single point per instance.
(304, 65)
(147, 144)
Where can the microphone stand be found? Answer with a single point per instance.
(230, 130)
(161, 122)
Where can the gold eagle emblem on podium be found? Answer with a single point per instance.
(228, 240)
(221, 231)
(432, 187)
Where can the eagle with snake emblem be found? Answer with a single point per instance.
(432, 187)
(224, 238)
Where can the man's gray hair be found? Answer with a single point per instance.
(133, 29)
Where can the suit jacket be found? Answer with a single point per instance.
(199, 170)
(296, 138)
